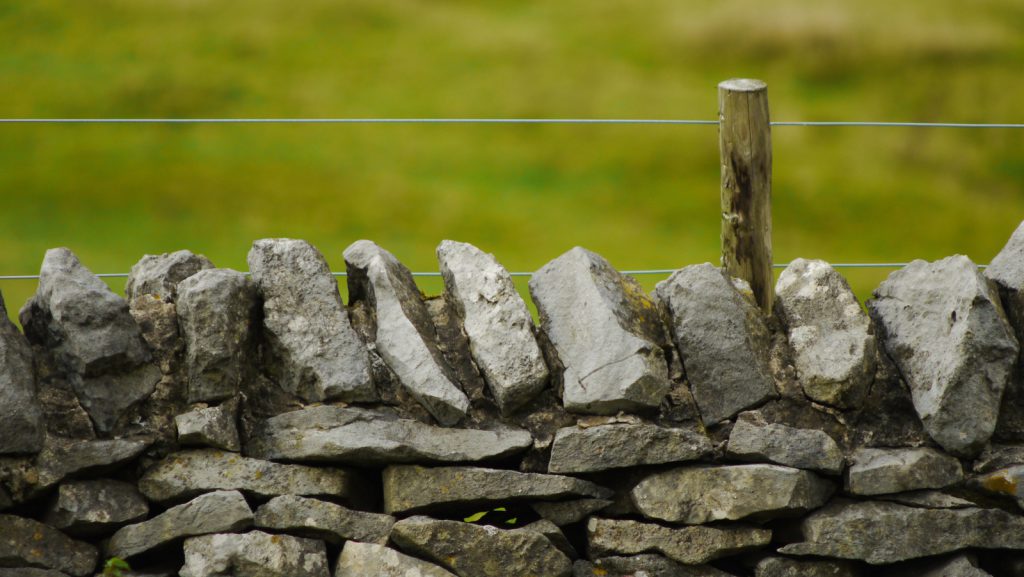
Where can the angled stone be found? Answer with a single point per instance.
(95, 507)
(65, 458)
(107, 397)
(1008, 482)
(215, 427)
(21, 416)
(928, 499)
(1007, 272)
(787, 567)
(159, 274)
(254, 554)
(687, 545)
(753, 439)
(880, 471)
(365, 559)
(603, 447)
(323, 520)
(29, 543)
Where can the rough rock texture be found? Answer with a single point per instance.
(577, 450)
(254, 554)
(753, 439)
(688, 545)
(1008, 482)
(480, 551)
(647, 565)
(998, 457)
(215, 512)
(216, 309)
(404, 333)
(64, 458)
(184, 475)
(786, 567)
(722, 338)
(1007, 272)
(314, 350)
(414, 489)
(215, 427)
(323, 520)
(160, 274)
(956, 566)
(29, 543)
(107, 397)
(359, 436)
(700, 493)
(943, 326)
(880, 532)
(497, 322)
(21, 417)
(563, 513)
(880, 471)
(95, 507)
(928, 499)
(607, 333)
(366, 559)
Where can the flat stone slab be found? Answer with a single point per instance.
(788, 567)
(880, 471)
(584, 450)
(95, 507)
(21, 416)
(607, 333)
(254, 554)
(687, 545)
(753, 439)
(216, 512)
(414, 489)
(563, 513)
(159, 274)
(323, 520)
(480, 551)
(701, 494)
(648, 565)
(359, 436)
(215, 427)
(881, 532)
(186, 474)
(29, 543)
(366, 559)
(64, 458)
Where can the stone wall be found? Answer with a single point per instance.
(214, 423)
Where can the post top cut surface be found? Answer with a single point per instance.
(742, 85)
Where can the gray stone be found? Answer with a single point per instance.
(30, 572)
(606, 331)
(700, 494)
(1008, 482)
(315, 352)
(211, 427)
(109, 396)
(95, 507)
(323, 520)
(21, 416)
(215, 512)
(554, 534)
(647, 565)
(216, 308)
(753, 439)
(497, 322)
(723, 341)
(882, 532)
(368, 559)
(64, 458)
(583, 450)
(29, 543)
(880, 471)
(404, 332)
(563, 513)
(830, 334)
(160, 274)
(254, 554)
(1007, 272)
(687, 545)
(998, 457)
(785, 567)
(928, 499)
(943, 326)
(414, 489)
(186, 474)
(359, 436)
(480, 551)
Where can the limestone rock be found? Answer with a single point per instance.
(21, 417)
(316, 353)
(943, 326)
(830, 334)
(957, 566)
(359, 436)
(64, 458)
(215, 512)
(607, 333)
(95, 507)
(687, 545)
(997, 456)
(880, 471)
(216, 308)
(160, 274)
(480, 551)
(323, 520)
(1007, 272)
(786, 567)
(497, 322)
(723, 341)
(563, 513)
(753, 439)
(29, 543)
(647, 565)
(366, 559)
(109, 396)
(404, 333)
(186, 474)
(577, 450)
(30, 572)
(928, 499)
(414, 489)
(881, 532)
(700, 494)
(211, 427)
(254, 554)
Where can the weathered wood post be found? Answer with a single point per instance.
(745, 145)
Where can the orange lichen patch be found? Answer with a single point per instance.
(600, 571)
(1000, 483)
(37, 536)
(275, 539)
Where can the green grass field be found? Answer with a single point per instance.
(643, 196)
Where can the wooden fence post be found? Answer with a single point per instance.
(745, 145)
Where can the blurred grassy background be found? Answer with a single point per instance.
(643, 196)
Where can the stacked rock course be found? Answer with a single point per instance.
(214, 423)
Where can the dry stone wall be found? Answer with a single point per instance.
(212, 423)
